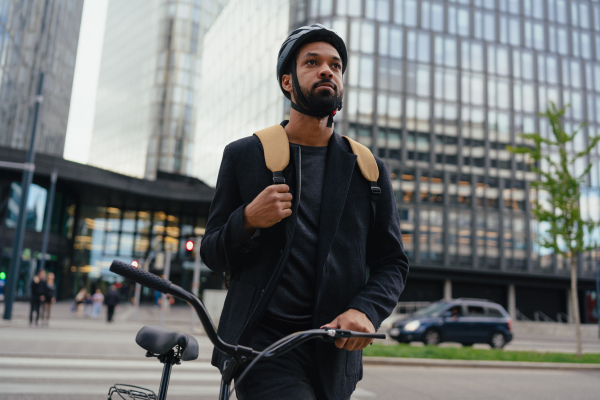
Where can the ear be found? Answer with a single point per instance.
(286, 83)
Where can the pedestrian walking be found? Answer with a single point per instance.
(88, 305)
(315, 244)
(49, 298)
(38, 291)
(112, 301)
(98, 300)
(80, 302)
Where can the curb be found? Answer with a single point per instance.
(427, 362)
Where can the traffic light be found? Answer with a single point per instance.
(135, 264)
(189, 245)
(190, 248)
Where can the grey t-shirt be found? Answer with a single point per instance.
(294, 297)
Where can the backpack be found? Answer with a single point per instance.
(277, 156)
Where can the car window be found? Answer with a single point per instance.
(475, 311)
(495, 313)
(432, 310)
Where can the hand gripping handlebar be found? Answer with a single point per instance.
(140, 276)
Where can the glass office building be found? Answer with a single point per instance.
(147, 90)
(37, 38)
(98, 216)
(439, 89)
(240, 91)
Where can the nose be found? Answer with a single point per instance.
(326, 72)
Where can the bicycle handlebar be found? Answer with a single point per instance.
(165, 286)
(140, 276)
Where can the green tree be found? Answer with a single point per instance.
(568, 234)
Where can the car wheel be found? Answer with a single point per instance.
(497, 341)
(432, 337)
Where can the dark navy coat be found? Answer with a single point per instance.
(359, 265)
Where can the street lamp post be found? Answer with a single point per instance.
(15, 261)
(48, 219)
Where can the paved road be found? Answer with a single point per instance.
(80, 359)
(429, 383)
(29, 378)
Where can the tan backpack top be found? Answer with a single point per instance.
(277, 156)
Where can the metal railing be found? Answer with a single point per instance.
(521, 316)
(563, 317)
(539, 316)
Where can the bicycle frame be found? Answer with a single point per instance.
(240, 354)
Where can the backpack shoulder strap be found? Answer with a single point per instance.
(277, 150)
(368, 168)
(366, 161)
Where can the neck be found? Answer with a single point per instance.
(308, 131)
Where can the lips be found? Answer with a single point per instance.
(325, 84)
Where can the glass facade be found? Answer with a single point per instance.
(98, 216)
(60, 229)
(105, 233)
(37, 37)
(148, 93)
(439, 89)
(240, 91)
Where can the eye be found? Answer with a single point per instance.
(336, 65)
(311, 62)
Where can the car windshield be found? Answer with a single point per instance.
(432, 310)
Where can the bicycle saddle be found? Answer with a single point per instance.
(159, 340)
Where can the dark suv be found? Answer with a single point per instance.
(466, 321)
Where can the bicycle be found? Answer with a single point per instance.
(171, 347)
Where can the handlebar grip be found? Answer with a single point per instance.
(140, 276)
(343, 333)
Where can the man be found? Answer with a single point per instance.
(111, 300)
(38, 290)
(309, 253)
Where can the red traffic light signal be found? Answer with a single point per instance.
(189, 245)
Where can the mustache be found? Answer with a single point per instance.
(325, 81)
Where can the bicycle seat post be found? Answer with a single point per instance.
(169, 359)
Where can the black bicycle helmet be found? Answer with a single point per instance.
(287, 55)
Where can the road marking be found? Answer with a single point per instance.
(114, 375)
(51, 389)
(82, 363)
(360, 393)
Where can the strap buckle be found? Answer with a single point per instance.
(375, 191)
(278, 178)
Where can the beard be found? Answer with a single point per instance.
(322, 102)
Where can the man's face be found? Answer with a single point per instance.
(319, 70)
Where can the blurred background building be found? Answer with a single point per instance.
(438, 89)
(148, 93)
(37, 38)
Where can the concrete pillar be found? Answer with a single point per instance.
(447, 289)
(512, 301)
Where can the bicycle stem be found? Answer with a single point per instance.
(209, 327)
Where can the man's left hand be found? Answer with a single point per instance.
(352, 320)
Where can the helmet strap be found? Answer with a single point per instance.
(302, 100)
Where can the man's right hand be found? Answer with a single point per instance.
(268, 208)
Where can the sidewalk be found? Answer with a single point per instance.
(69, 336)
(126, 317)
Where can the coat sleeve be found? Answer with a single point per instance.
(225, 241)
(386, 258)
